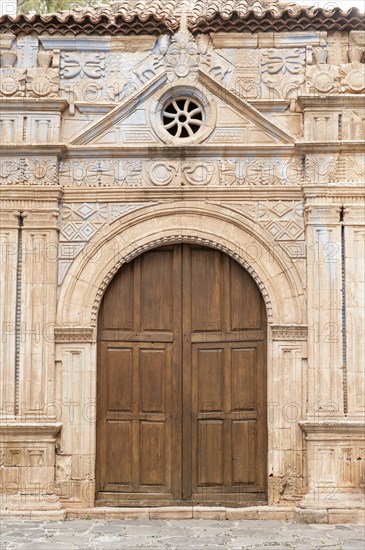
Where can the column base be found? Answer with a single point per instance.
(28, 506)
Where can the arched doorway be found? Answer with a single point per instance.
(182, 382)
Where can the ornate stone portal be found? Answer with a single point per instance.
(173, 124)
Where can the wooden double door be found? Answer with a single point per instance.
(181, 382)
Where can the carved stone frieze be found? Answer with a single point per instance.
(289, 332)
(28, 171)
(101, 173)
(328, 168)
(250, 172)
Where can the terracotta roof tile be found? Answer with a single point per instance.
(290, 19)
(156, 17)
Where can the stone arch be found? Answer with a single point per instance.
(180, 221)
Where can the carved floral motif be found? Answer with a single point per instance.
(81, 65)
(42, 82)
(323, 78)
(182, 57)
(353, 77)
(283, 71)
(12, 82)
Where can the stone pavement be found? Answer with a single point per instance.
(177, 534)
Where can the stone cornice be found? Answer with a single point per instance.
(116, 194)
(22, 195)
(31, 430)
(333, 193)
(261, 39)
(133, 43)
(335, 102)
(278, 105)
(323, 147)
(27, 149)
(334, 430)
(29, 104)
(162, 151)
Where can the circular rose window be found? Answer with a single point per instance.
(182, 117)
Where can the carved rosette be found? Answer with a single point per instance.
(42, 82)
(323, 78)
(353, 78)
(12, 82)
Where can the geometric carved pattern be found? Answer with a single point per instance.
(282, 219)
(80, 222)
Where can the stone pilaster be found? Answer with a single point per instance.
(354, 266)
(38, 301)
(324, 282)
(9, 223)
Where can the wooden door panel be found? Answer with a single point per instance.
(137, 427)
(116, 312)
(244, 378)
(118, 444)
(245, 302)
(181, 381)
(119, 380)
(209, 366)
(153, 381)
(156, 291)
(153, 451)
(209, 452)
(243, 456)
(206, 283)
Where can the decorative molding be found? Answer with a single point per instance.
(289, 332)
(74, 334)
(334, 430)
(32, 431)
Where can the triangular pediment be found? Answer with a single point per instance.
(107, 130)
(241, 121)
(236, 121)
